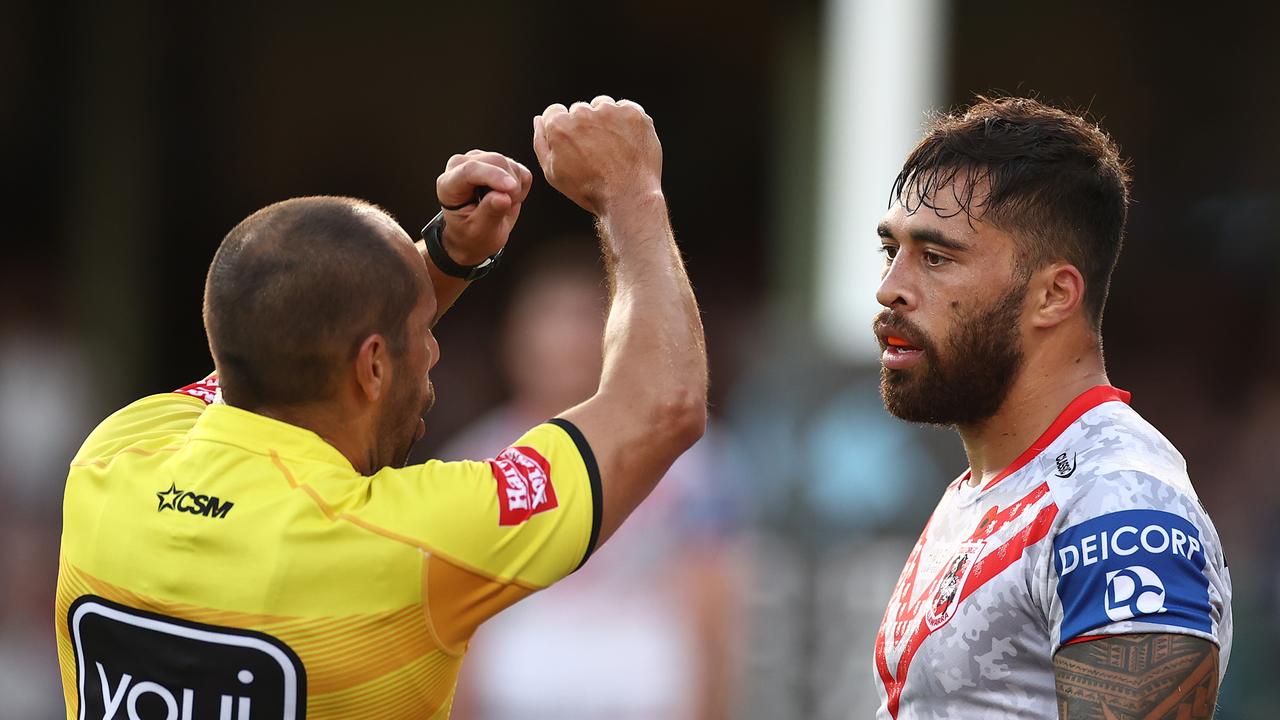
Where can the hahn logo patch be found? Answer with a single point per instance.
(1139, 565)
(524, 485)
(137, 665)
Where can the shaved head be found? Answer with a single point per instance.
(295, 288)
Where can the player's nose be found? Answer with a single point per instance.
(434, 346)
(896, 290)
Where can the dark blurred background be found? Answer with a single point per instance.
(134, 135)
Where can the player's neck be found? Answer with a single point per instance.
(333, 426)
(1040, 393)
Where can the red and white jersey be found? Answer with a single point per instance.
(1094, 530)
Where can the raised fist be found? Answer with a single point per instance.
(474, 231)
(599, 155)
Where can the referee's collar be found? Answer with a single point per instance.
(261, 434)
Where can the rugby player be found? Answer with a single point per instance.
(253, 545)
(1071, 571)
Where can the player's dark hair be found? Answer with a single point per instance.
(1054, 181)
(293, 291)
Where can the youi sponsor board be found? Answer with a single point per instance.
(136, 665)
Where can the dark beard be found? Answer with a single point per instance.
(398, 428)
(969, 383)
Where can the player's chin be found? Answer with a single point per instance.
(900, 379)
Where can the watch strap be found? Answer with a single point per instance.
(432, 235)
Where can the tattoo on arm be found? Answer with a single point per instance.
(1155, 676)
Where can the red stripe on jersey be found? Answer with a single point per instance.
(991, 565)
(1085, 638)
(1084, 402)
(999, 560)
(205, 389)
(991, 523)
(892, 688)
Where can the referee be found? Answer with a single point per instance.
(254, 546)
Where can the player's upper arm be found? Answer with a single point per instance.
(492, 532)
(1134, 554)
(635, 444)
(1156, 675)
(528, 517)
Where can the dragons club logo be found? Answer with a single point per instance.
(1133, 591)
(947, 597)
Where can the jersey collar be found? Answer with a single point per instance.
(261, 434)
(1084, 402)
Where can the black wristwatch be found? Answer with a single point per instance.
(432, 233)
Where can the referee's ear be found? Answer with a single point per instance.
(372, 368)
(1057, 292)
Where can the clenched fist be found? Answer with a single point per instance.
(599, 155)
(474, 231)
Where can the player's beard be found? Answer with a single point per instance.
(968, 383)
(398, 426)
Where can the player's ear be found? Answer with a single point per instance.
(1058, 290)
(372, 367)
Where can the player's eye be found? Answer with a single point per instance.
(933, 259)
(889, 251)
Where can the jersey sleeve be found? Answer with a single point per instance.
(528, 516)
(152, 418)
(1136, 554)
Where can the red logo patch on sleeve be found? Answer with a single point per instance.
(206, 389)
(524, 485)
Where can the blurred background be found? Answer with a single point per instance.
(134, 135)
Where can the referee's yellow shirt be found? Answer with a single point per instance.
(220, 564)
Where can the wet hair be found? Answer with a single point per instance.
(1053, 180)
(293, 291)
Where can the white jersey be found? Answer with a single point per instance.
(1094, 530)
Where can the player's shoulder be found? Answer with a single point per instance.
(1111, 459)
(154, 418)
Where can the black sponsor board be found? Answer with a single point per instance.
(137, 665)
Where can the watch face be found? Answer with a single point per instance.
(140, 665)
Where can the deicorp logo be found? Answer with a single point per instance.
(1133, 591)
(134, 665)
(1141, 565)
(189, 502)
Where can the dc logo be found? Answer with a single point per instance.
(1133, 591)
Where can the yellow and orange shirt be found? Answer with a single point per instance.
(220, 564)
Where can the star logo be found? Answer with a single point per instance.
(169, 498)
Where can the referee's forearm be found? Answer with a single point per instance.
(447, 288)
(654, 350)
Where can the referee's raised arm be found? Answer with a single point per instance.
(651, 404)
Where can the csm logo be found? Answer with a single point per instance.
(189, 502)
(136, 665)
(1133, 591)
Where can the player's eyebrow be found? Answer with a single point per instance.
(925, 235)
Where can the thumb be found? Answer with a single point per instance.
(540, 147)
(493, 208)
